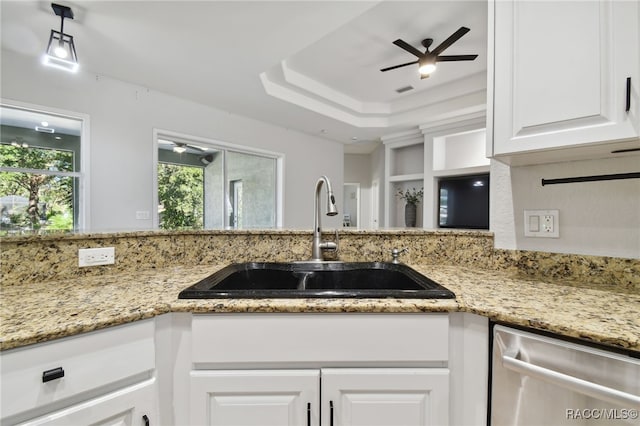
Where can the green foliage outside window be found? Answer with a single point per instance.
(32, 201)
(181, 196)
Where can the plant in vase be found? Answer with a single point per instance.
(411, 197)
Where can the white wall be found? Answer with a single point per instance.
(123, 117)
(596, 218)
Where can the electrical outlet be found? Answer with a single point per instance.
(547, 224)
(143, 215)
(542, 223)
(96, 256)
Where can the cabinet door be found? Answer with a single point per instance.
(560, 73)
(91, 363)
(131, 406)
(255, 397)
(385, 397)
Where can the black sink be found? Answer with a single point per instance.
(318, 280)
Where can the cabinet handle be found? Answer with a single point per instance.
(145, 419)
(308, 414)
(628, 108)
(52, 374)
(330, 413)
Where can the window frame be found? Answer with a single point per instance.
(226, 147)
(83, 176)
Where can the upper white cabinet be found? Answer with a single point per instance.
(564, 80)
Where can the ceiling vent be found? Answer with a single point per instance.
(404, 89)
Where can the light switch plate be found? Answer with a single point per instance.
(542, 223)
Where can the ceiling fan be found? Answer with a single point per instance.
(181, 147)
(427, 60)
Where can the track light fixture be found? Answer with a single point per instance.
(61, 51)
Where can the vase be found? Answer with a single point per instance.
(410, 215)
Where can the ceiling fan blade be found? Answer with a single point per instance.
(409, 48)
(452, 58)
(198, 148)
(423, 76)
(398, 66)
(452, 39)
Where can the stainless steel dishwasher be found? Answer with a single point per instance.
(540, 380)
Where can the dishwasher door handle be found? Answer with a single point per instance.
(584, 387)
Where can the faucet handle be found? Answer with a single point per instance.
(395, 254)
(333, 246)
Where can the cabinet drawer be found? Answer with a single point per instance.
(89, 361)
(326, 339)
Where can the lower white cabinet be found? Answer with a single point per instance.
(255, 397)
(255, 369)
(385, 397)
(105, 377)
(328, 396)
(318, 370)
(131, 406)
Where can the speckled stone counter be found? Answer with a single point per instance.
(45, 310)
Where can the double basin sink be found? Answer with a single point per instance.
(254, 280)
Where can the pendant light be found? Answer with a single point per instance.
(61, 51)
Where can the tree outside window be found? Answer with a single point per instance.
(39, 194)
(181, 196)
(40, 171)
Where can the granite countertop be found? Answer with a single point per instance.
(41, 311)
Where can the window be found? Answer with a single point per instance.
(40, 175)
(180, 190)
(207, 185)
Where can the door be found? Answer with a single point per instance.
(132, 406)
(561, 71)
(255, 397)
(385, 397)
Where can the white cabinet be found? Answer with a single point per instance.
(129, 406)
(558, 79)
(255, 397)
(281, 369)
(389, 397)
(262, 369)
(341, 397)
(93, 378)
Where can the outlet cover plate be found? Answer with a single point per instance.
(542, 223)
(96, 256)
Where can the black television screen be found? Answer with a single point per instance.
(463, 202)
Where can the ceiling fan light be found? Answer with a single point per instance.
(427, 68)
(179, 149)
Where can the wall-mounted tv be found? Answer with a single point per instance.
(463, 202)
